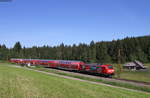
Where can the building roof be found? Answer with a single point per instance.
(134, 64)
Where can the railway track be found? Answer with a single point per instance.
(137, 83)
(146, 83)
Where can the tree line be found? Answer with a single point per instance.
(124, 50)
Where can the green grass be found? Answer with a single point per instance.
(135, 75)
(148, 65)
(125, 85)
(22, 83)
(143, 76)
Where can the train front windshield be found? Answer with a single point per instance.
(110, 67)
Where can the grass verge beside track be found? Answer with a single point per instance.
(125, 85)
(22, 83)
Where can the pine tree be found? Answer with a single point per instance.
(102, 54)
(3, 52)
(92, 52)
(17, 48)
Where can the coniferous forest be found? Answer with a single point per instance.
(131, 48)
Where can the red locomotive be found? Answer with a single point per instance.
(106, 70)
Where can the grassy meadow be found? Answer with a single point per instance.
(114, 83)
(143, 76)
(22, 83)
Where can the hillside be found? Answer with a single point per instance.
(22, 83)
(131, 48)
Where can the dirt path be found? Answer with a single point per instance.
(67, 77)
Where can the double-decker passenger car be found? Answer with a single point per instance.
(103, 69)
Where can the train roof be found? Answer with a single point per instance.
(95, 64)
(48, 60)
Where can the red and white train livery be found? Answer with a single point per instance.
(104, 69)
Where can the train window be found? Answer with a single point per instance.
(110, 67)
(93, 68)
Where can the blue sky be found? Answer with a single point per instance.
(51, 22)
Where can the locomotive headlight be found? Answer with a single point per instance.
(110, 71)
